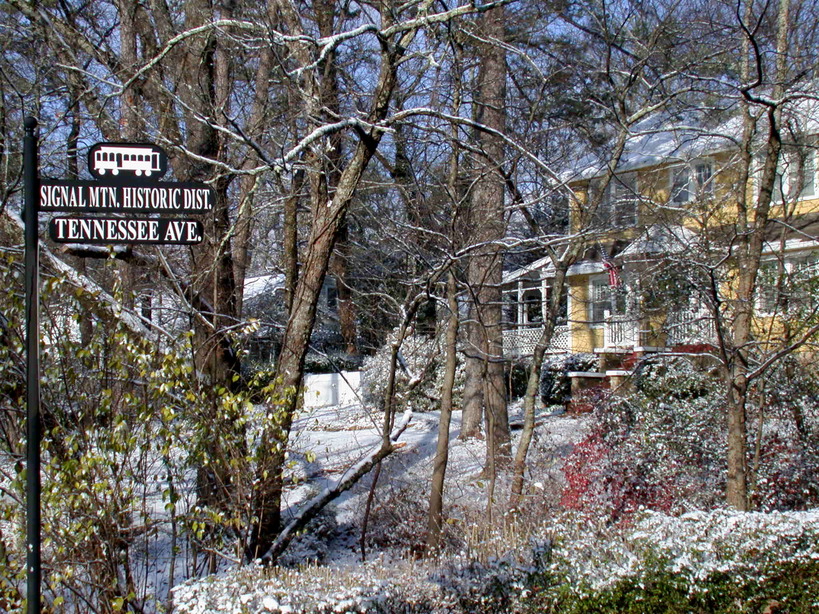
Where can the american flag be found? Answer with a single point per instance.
(608, 264)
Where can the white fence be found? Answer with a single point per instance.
(323, 389)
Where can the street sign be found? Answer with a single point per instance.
(140, 198)
(136, 231)
(126, 184)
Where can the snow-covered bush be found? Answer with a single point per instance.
(662, 445)
(720, 561)
(702, 562)
(147, 467)
(420, 356)
(458, 585)
(398, 519)
(785, 428)
(311, 545)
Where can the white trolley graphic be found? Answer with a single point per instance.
(133, 158)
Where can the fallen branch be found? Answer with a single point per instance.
(311, 509)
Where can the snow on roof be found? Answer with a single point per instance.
(656, 142)
(659, 239)
(665, 145)
(264, 284)
(542, 264)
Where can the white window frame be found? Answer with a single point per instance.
(765, 298)
(604, 302)
(786, 181)
(620, 207)
(695, 186)
(764, 304)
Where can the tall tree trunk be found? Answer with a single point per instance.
(435, 519)
(533, 381)
(328, 217)
(290, 241)
(486, 264)
(752, 222)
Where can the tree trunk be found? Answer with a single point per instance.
(752, 224)
(486, 264)
(533, 381)
(328, 217)
(436, 498)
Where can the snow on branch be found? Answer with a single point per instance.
(114, 307)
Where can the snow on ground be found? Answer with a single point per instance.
(340, 436)
(587, 551)
(336, 437)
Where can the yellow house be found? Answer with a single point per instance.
(668, 214)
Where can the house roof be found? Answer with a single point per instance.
(659, 239)
(540, 265)
(263, 284)
(655, 142)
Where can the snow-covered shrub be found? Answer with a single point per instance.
(420, 356)
(721, 561)
(147, 467)
(457, 585)
(661, 446)
(311, 545)
(398, 518)
(718, 562)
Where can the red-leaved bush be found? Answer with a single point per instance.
(662, 445)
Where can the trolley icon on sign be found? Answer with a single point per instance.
(130, 159)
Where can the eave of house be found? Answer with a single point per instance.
(542, 267)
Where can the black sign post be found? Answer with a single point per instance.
(32, 274)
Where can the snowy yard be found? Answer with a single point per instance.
(323, 570)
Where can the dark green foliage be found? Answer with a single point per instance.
(790, 587)
(517, 375)
(331, 362)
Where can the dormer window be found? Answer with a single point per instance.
(692, 181)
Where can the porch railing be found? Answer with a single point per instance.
(521, 341)
(690, 327)
(620, 331)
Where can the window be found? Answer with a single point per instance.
(795, 176)
(618, 208)
(767, 294)
(692, 181)
(599, 299)
(510, 308)
(803, 278)
(787, 288)
(534, 307)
